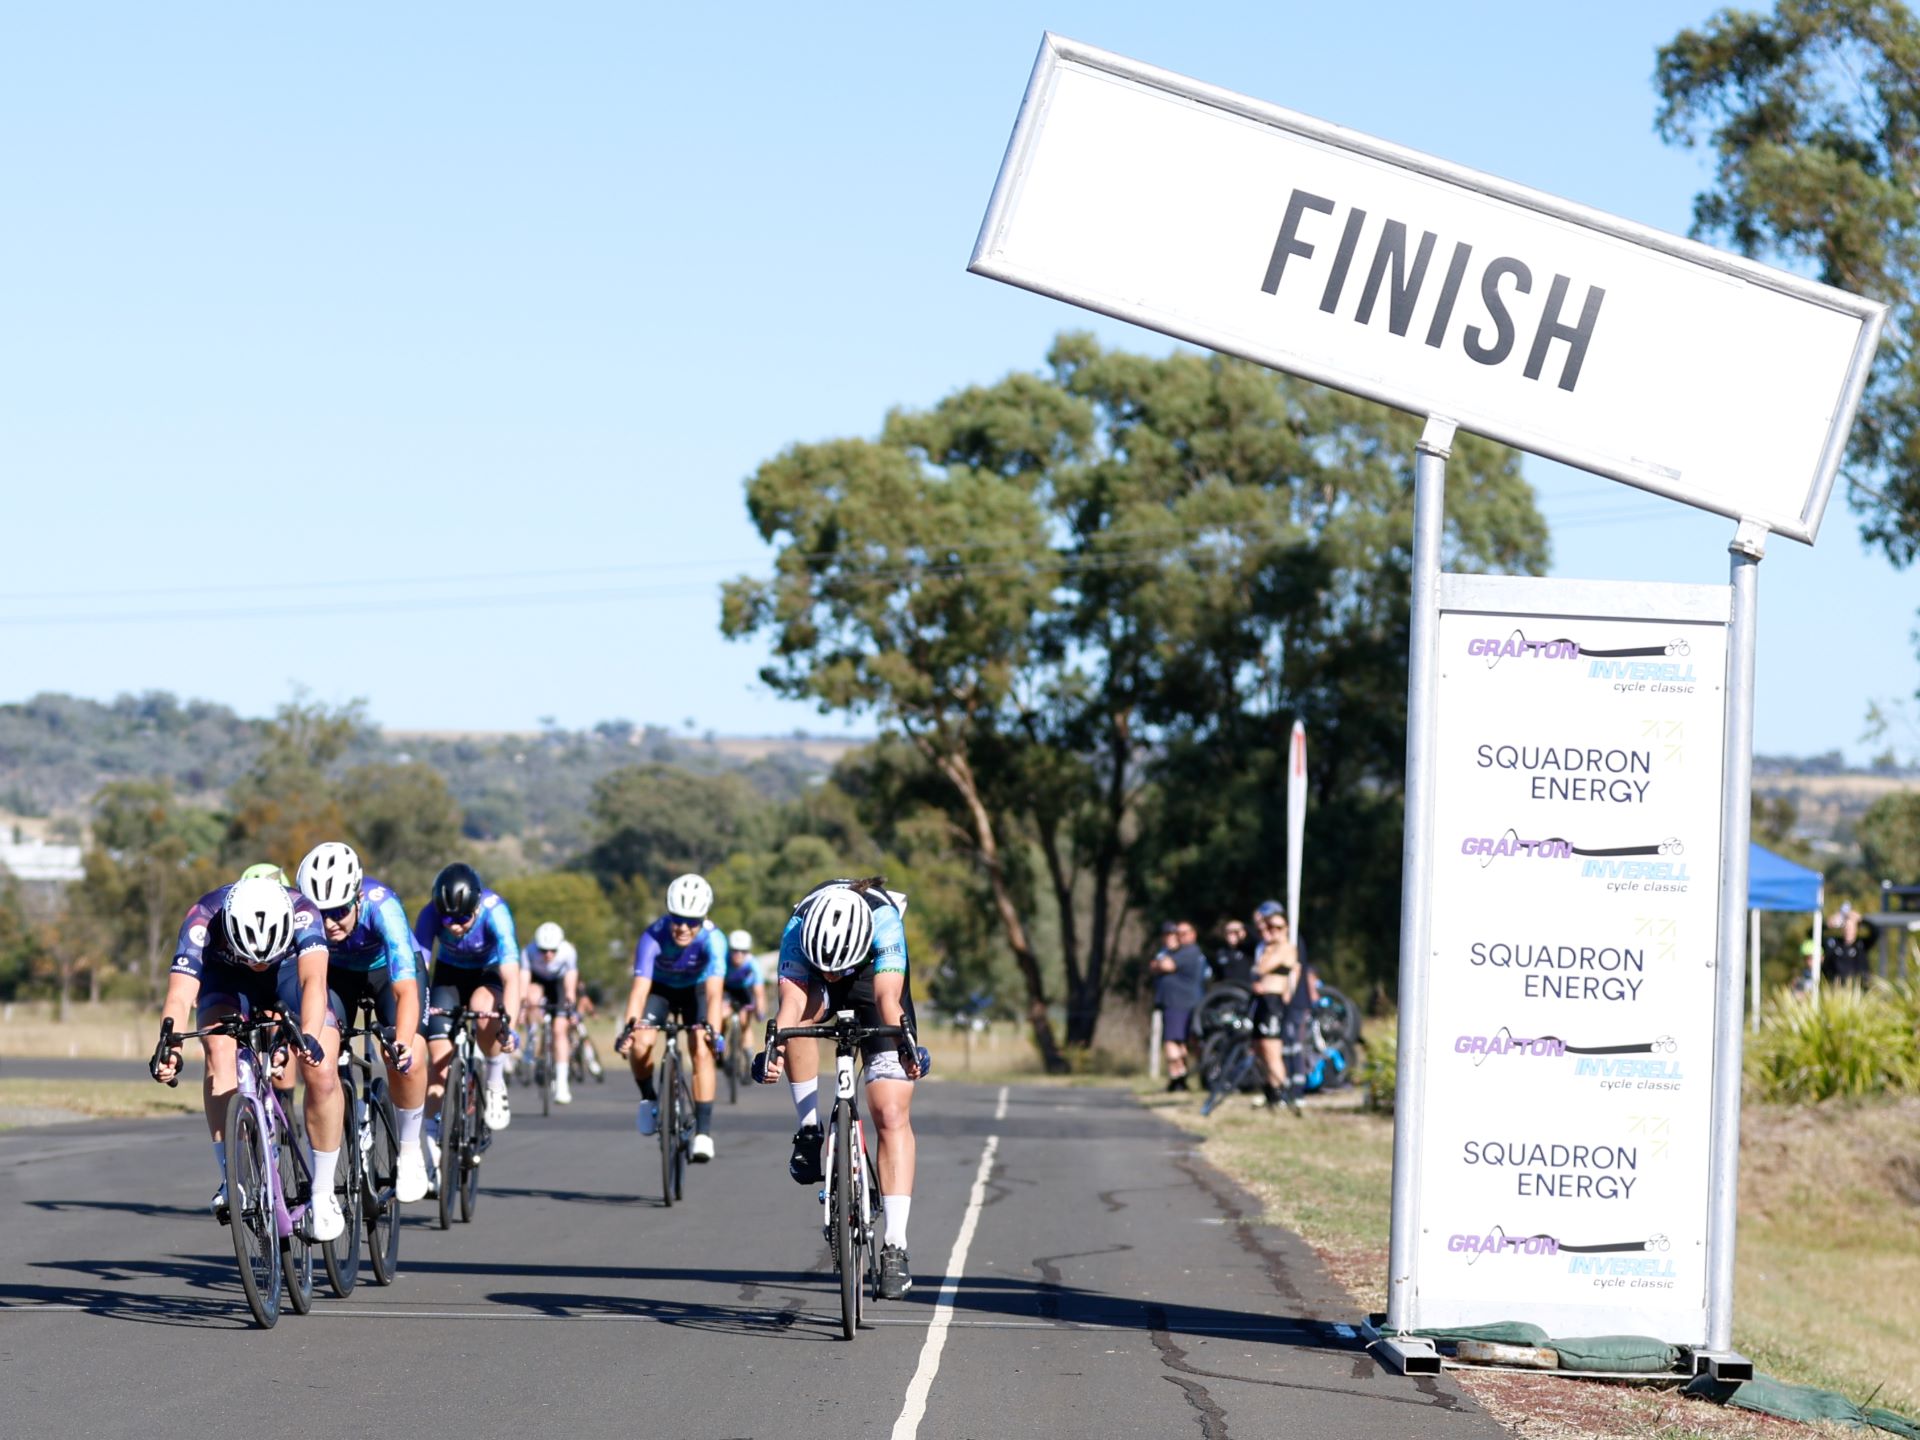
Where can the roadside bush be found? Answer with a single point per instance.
(1379, 1075)
(1843, 1042)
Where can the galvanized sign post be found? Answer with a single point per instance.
(1576, 335)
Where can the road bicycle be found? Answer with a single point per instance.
(537, 1061)
(850, 1201)
(675, 1118)
(464, 1132)
(269, 1176)
(736, 1062)
(369, 1160)
(1230, 1062)
(585, 1059)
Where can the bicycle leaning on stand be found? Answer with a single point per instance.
(269, 1179)
(675, 1119)
(850, 1200)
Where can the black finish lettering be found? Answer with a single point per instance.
(1289, 242)
(1449, 293)
(1392, 252)
(1342, 261)
(1576, 336)
(1497, 310)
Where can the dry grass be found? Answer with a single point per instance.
(40, 1102)
(1827, 1284)
(108, 1031)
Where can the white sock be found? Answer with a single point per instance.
(220, 1158)
(410, 1123)
(897, 1207)
(496, 1069)
(805, 1100)
(325, 1162)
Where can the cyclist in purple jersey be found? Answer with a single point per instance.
(470, 931)
(247, 948)
(678, 967)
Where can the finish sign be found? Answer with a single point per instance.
(1563, 331)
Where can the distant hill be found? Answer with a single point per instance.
(56, 751)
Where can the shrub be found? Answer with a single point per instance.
(1378, 1075)
(1842, 1042)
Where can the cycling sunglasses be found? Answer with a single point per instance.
(340, 913)
(682, 920)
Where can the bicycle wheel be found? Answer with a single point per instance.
(382, 1205)
(683, 1124)
(846, 1252)
(342, 1255)
(733, 1049)
(296, 1250)
(666, 1121)
(543, 1076)
(474, 1135)
(451, 1105)
(1229, 1068)
(256, 1243)
(878, 1229)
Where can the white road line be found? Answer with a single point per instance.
(908, 1425)
(1000, 1110)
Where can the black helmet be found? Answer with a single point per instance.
(456, 891)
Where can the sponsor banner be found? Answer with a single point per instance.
(1569, 333)
(1575, 860)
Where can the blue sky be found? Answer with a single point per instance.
(420, 352)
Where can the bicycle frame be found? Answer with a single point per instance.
(257, 1092)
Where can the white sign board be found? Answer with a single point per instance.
(1566, 332)
(1576, 857)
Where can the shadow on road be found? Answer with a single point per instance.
(220, 1305)
(124, 1207)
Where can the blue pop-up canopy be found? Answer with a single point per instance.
(1776, 883)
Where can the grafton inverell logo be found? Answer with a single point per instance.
(1633, 1065)
(1620, 867)
(1609, 1261)
(1628, 669)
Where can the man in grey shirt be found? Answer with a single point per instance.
(1179, 981)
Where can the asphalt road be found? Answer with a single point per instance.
(1112, 1286)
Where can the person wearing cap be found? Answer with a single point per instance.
(1283, 990)
(1179, 981)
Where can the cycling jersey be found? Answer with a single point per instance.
(489, 941)
(203, 948)
(742, 978)
(887, 957)
(379, 939)
(658, 959)
(565, 960)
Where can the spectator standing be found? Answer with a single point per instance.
(1179, 981)
(1282, 996)
(1233, 961)
(1847, 948)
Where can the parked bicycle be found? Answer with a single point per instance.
(675, 1119)
(464, 1132)
(269, 1176)
(370, 1158)
(850, 1201)
(1230, 1063)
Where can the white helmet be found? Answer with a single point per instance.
(549, 937)
(837, 931)
(259, 921)
(740, 940)
(330, 875)
(690, 898)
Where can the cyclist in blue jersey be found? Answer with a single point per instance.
(740, 988)
(469, 930)
(553, 980)
(246, 948)
(371, 955)
(678, 967)
(845, 948)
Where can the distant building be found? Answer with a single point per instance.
(33, 863)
